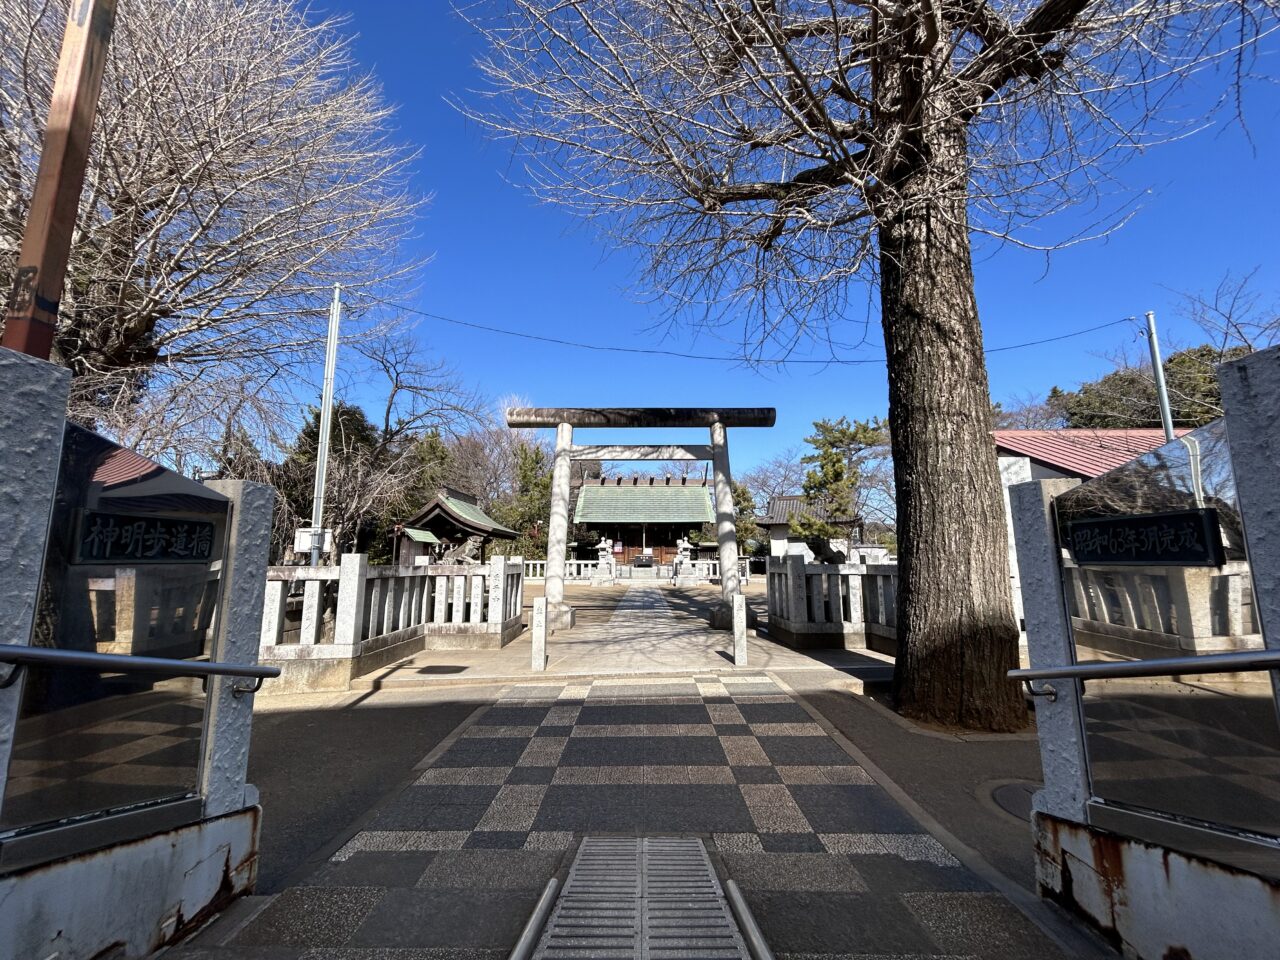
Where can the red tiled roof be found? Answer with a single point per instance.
(1083, 452)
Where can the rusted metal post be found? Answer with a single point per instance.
(31, 316)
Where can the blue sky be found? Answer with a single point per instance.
(1210, 205)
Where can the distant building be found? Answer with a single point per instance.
(450, 520)
(776, 522)
(643, 516)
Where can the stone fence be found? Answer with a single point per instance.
(707, 571)
(573, 569)
(324, 625)
(832, 605)
(691, 571)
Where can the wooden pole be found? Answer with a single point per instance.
(31, 315)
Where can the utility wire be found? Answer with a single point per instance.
(719, 358)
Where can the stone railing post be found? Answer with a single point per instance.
(440, 606)
(225, 763)
(478, 583)
(1059, 722)
(853, 584)
(348, 625)
(273, 613)
(797, 593)
(312, 611)
(515, 599)
(497, 588)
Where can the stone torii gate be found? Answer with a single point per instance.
(564, 419)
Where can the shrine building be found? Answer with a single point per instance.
(449, 520)
(644, 516)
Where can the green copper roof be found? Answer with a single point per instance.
(643, 504)
(420, 536)
(469, 511)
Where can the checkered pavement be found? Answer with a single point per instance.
(450, 867)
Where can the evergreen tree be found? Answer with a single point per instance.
(833, 492)
(1127, 397)
(528, 506)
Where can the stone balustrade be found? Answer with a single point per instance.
(573, 569)
(691, 572)
(847, 605)
(356, 617)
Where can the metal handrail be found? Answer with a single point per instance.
(20, 655)
(1242, 661)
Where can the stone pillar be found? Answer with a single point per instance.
(726, 530)
(273, 611)
(797, 592)
(739, 630)
(1059, 722)
(497, 586)
(312, 611)
(32, 422)
(1251, 401)
(230, 713)
(559, 614)
(348, 625)
(538, 630)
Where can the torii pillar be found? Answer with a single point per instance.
(726, 527)
(559, 614)
(564, 419)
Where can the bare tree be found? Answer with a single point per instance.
(1235, 313)
(1029, 411)
(780, 475)
(240, 166)
(766, 153)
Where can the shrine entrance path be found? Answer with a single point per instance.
(450, 866)
(646, 627)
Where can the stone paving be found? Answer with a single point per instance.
(450, 868)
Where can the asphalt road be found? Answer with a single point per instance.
(321, 763)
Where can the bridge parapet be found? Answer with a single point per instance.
(325, 625)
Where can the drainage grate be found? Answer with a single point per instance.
(647, 898)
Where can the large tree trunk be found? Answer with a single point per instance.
(956, 630)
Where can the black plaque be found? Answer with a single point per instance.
(125, 538)
(1182, 538)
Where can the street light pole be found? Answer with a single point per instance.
(1157, 367)
(31, 315)
(326, 426)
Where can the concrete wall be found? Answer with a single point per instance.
(1155, 903)
(127, 901)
